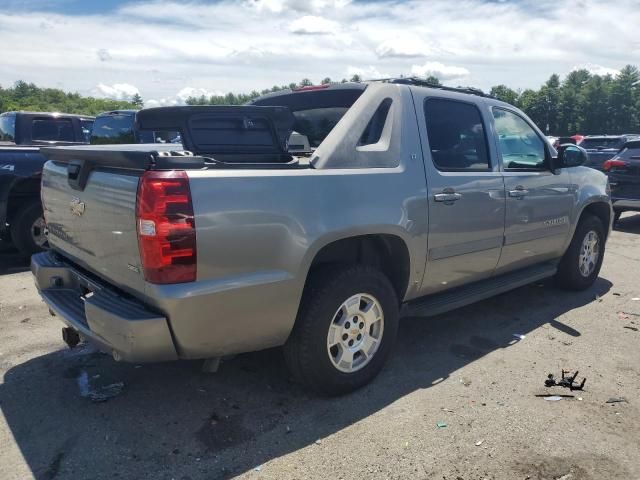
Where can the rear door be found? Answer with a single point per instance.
(465, 189)
(539, 201)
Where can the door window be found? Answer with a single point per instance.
(456, 135)
(520, 146)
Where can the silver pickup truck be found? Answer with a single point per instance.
(407, 199)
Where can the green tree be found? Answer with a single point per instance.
(356, 78)
(433, 80)
(137, 101)
(325, 81)
(624, 92)
(505, 94)
(305, 82)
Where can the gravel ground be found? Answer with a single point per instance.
(464, 369)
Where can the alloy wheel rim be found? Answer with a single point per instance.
(589, 253)
(39, 232)
(355, 332)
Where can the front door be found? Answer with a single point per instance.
(466, 193)
(538, 200)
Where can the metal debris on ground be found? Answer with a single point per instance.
(441, 425)
(479, 442)
(617, 400)
(553, 398)
(519, 336)
(565, 382)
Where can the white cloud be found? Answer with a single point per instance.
(117, 91)
(367, 73)
(313, 25)
(164, 46)
(180, 98)
(597, 69)
(406, 46)
(440, 70)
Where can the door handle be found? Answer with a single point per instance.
(447, 197)
(518, 192)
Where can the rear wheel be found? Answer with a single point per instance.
(28, 230)
(581, 263)
(345, 329)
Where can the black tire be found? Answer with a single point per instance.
(569, 275)
(22, 228)
(306, 351)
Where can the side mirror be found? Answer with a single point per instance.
(570, 155)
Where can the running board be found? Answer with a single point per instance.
(459, 297)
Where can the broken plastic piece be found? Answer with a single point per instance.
(566, 382)
(441, 425)
(553, 398)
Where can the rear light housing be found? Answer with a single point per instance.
(613, 163)
(166, 227)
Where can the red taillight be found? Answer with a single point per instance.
(166, 228)
(613, 163)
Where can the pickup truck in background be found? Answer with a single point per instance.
(119, 127)
(21, 136)
(411, 200)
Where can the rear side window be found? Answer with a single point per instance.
(520, 146)
(630, 153)
(52, 130)
(112, 129)
(373, 132)
(456, 135)
(7, 128)
(86, 126)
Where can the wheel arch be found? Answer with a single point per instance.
(387, 252)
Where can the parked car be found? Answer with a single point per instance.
(119, 126)
(413, 200)
(602, 147)
(623, 171)
(21, 135)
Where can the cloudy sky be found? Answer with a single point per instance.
(168, 49)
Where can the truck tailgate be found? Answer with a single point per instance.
(95, 227)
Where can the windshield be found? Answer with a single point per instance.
(316, 123)
(602, 143)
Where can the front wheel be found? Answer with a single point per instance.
(581, 263)
(346, 327)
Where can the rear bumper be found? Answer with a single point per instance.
(622, 204)
(116, 324)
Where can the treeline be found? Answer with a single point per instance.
(581, 103)
(27, 96)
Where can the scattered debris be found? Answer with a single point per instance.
(553, 398)
(465, 381)
(568, 476)
(441, 425)
(99, 394)
(479, 442)
(288, 429)
(318, 442)
(25, 320)
(635, 299)
(617, 294)
(629, 327)
(258, 468)
(623, 316)
(519, 336)
(617, 400)
(580, 399)
(565, 382)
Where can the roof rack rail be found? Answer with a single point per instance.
(423, 83)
